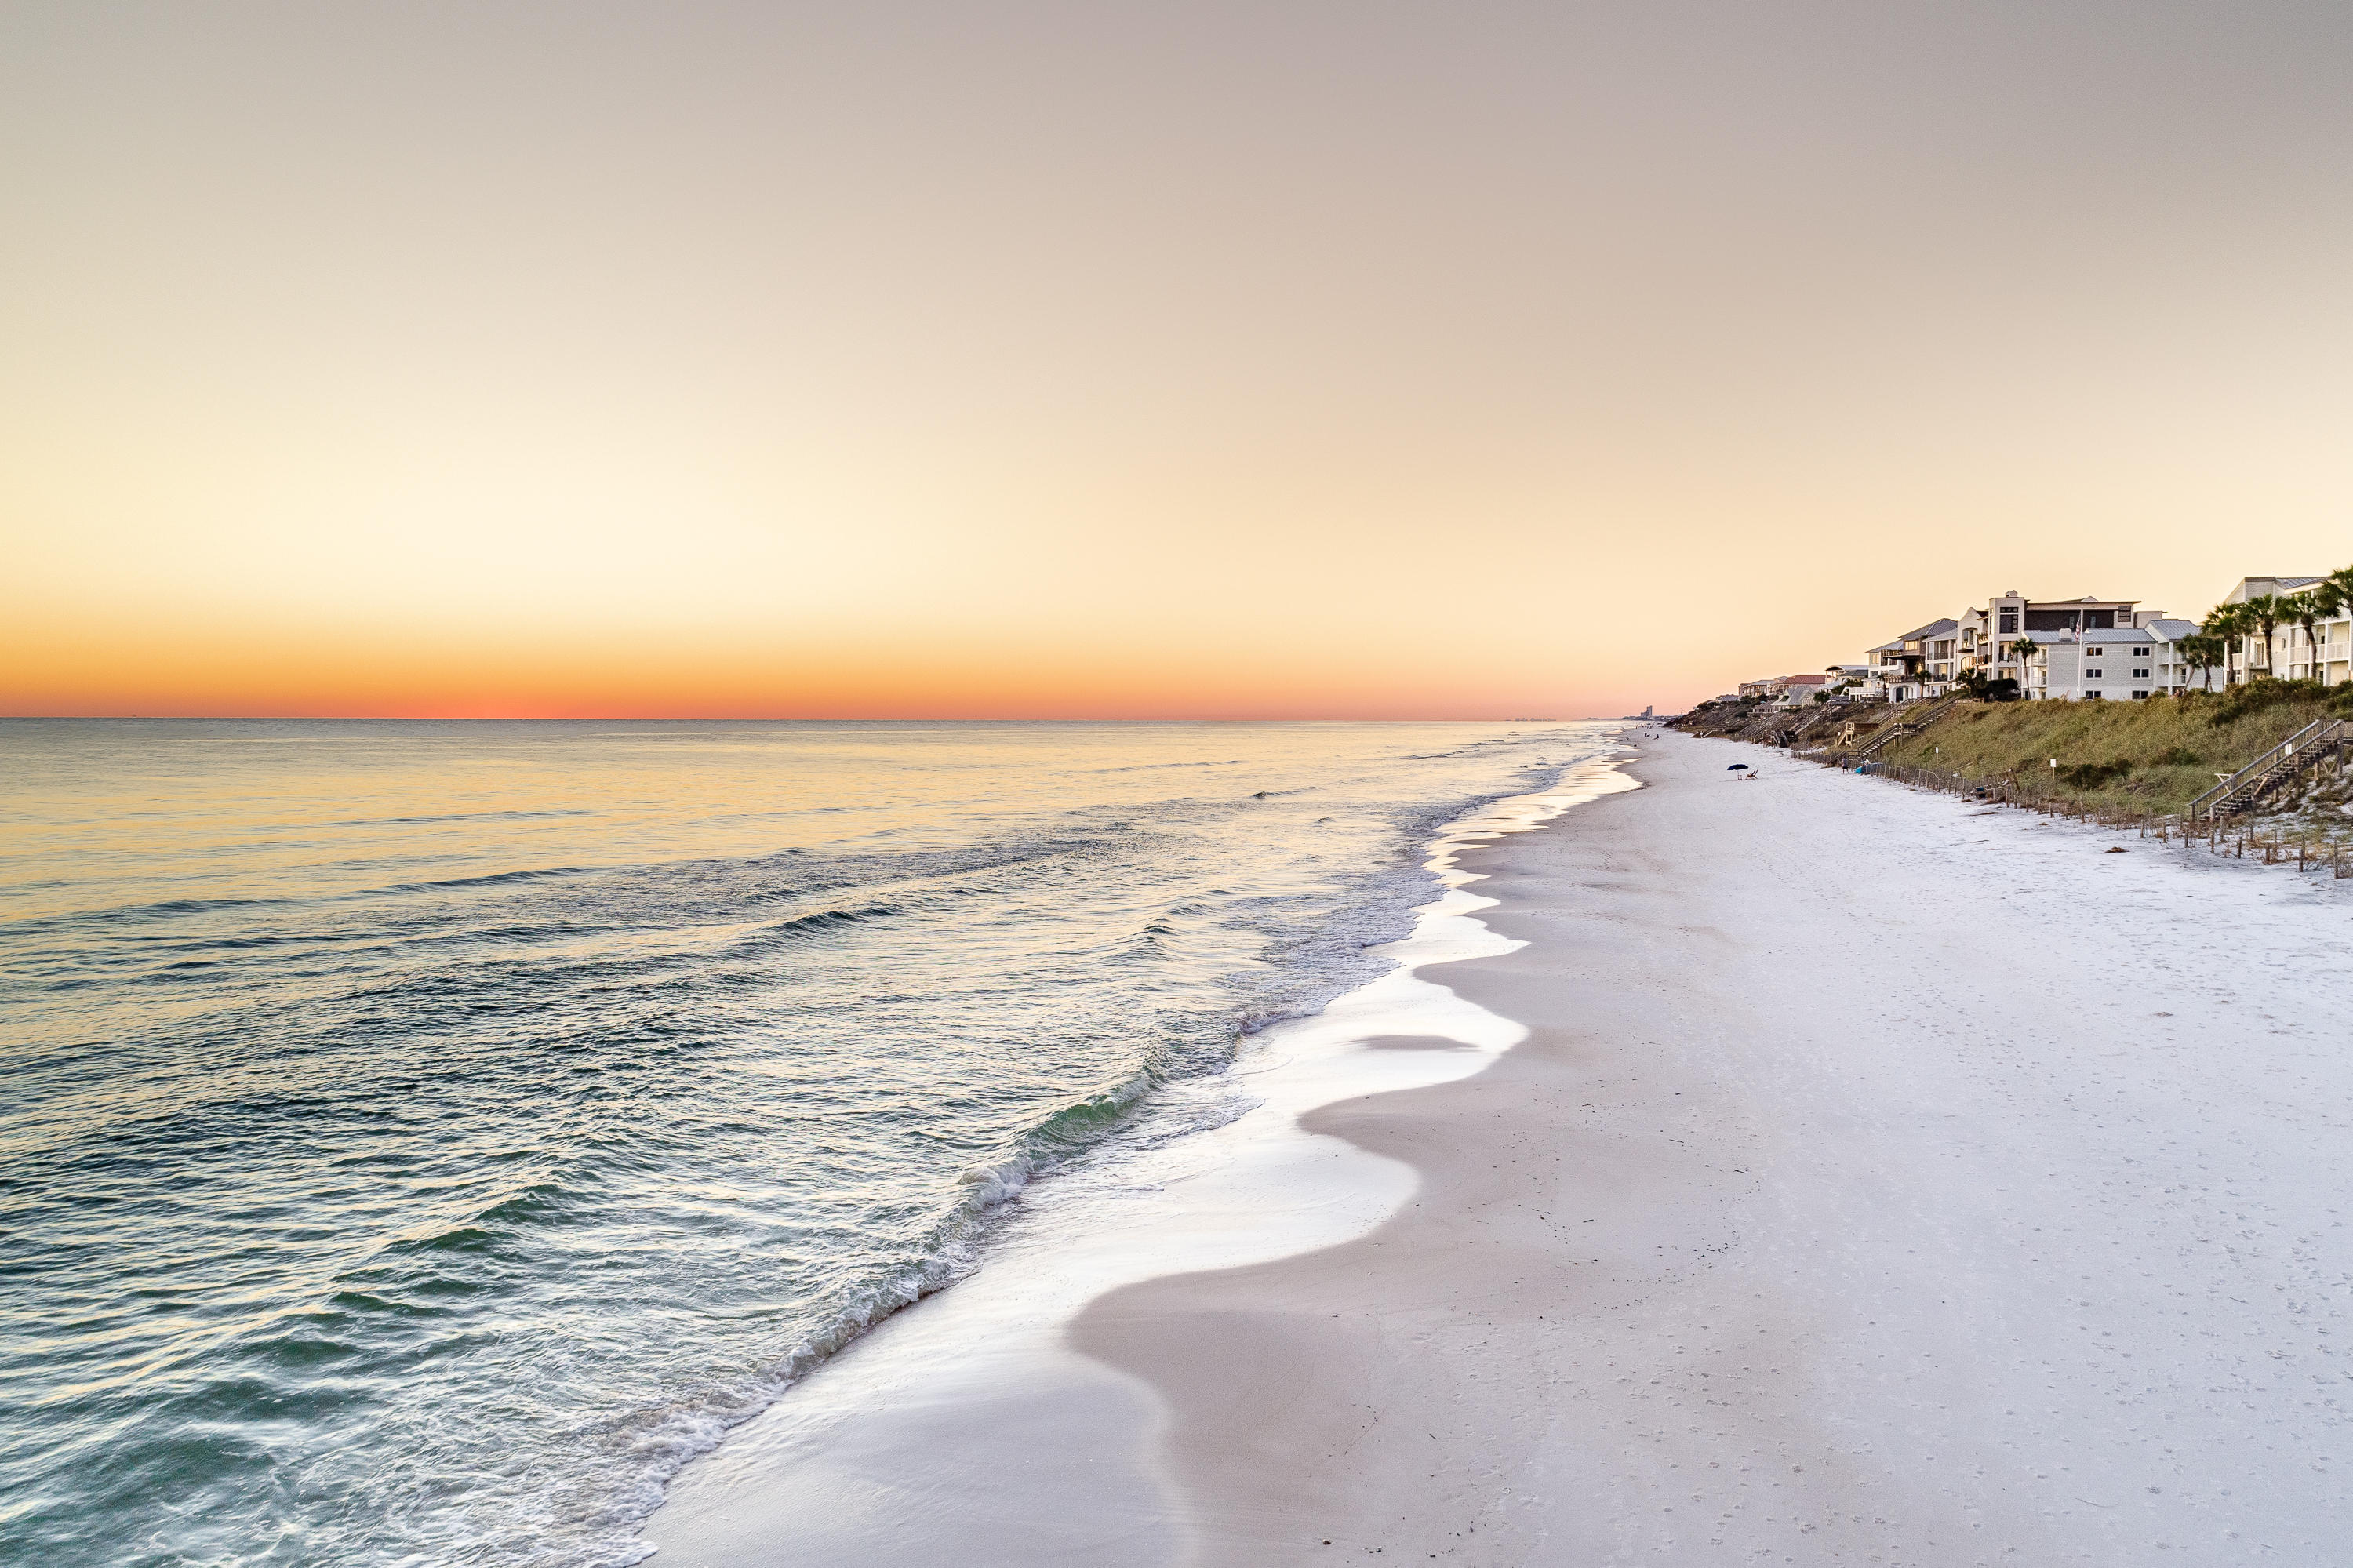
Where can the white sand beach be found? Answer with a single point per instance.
(1869, 1178)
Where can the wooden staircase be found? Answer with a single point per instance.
(2291, 758)
(1910, 724)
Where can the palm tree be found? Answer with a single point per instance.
(2324, 600)
(2202, 650)
(2266, 611)
(2221, 624)
(2310, 608)
(2022, 651)
(2341, 579)
(2215, 652)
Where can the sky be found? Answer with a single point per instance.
(1200, 360)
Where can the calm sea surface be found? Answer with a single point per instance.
(417, 1140)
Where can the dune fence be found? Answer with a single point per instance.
(2274, 844)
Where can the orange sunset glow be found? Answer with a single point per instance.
(1040, 360)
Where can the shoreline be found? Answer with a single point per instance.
(1357, 1400)
(1847, 1174)
(965, 1426)
(1743, 1255)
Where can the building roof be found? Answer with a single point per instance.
(2245, 589)
(1919, 633)
(2171, 628)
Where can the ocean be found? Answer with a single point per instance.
(419, 1139)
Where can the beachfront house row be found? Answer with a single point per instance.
(1797, 691)
(2087, 648)
(1787, 691)
(2327, 655)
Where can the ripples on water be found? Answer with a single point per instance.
(418, 1139)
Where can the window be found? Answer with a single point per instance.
(2092, 676)
(2140, 675)
(2009, 620)
(2071, 621)
(2094, 652)
(2138, 696)
(2091, 696)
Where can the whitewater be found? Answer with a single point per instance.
(423, 1139)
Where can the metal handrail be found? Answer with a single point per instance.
(2263, 767)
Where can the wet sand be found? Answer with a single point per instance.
(1881, 1181)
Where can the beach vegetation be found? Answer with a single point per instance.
(2204, 653)
(1987, 688)
(2227, 625)
(2322, 601)
(2154, 756)
(2086, 776)
(2256, 621)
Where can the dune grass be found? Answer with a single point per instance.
(2152, 756)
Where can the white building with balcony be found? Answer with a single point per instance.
(1917, 665)
(2097, 666)
(1991, 639)
(1927, 661)
(2326, 656)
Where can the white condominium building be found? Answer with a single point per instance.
(2120, 662)
(2326, 656)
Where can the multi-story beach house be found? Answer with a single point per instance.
(2087, 650)
(1919, 663)
(2008, 638)
(1926, 661)
(2123, 661)
(2326, 658)
(2174, 672)
(1993, 638)
(1854, 683)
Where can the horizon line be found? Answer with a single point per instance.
(758, 718)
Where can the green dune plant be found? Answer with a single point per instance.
(2152, 756)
